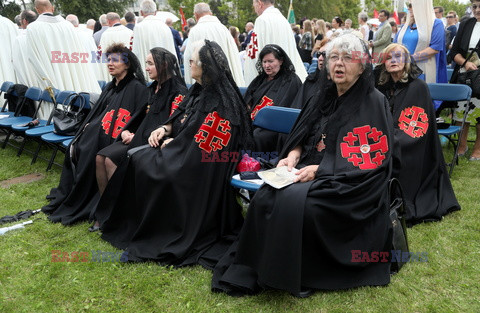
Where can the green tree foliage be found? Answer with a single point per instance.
(451, 5)
(9, 10)
(87, 9)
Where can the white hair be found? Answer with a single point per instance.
(148, 7)
(363, 16)
(349, 44)
(201, 8)
(73, 19)
(91, 22)
(103, 19)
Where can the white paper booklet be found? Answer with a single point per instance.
(278, 177)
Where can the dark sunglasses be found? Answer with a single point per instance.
(323, 54)
(450, 16)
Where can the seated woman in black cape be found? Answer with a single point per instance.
(421, 168)
(276, 84)
(307, 235)
(175, 204)
(77, 192)
(166, 93)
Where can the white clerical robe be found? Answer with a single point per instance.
(209, 27)
(55, 54)
(88, 42)
(150, 33)
(8, 33)
(272, 28)
(114, 34)
(23, 69)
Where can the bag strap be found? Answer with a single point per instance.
(476, 49)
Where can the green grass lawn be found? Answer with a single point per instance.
(31, 282)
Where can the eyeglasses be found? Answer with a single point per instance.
(450, 17)
(474, 7)
(346, 58)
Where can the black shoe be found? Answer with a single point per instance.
(94, 228)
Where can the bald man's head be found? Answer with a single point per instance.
(169, 21)
(43, 6)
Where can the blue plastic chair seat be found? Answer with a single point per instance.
(65, 143)
(8, 122)
(237, 183)
(18, 127)
(39, 131)
(54, 138)
(9, 113)
(451, 130)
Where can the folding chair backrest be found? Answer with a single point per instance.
(46, 95)
(450, 92)
(64, 97)
(278, 119)
(6, 86)
(102, 84)
(34, 93)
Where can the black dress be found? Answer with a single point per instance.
(280, 91)
(169, 205)
(421, 167)
(155, 112)
(77, 192)
(302, 236)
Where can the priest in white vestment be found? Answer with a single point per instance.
(115, 33)
(56, 54)
(23, 70)
(8, 33)
(86, 37)
(209, 27)
(150, 33)
(271, 27)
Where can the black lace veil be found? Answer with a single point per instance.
(220, 87)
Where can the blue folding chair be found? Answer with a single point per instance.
(102, 84)
(273, 118)
(54, 140)
(14, 124)
(4, 89)
(452, 92)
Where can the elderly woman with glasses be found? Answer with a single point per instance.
(468, 37)
(306, 236)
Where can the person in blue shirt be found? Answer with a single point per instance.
(424, 37)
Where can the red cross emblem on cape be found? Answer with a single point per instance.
(122, 119)
(252, 48)
(361, 144)
(175, 103)
(214, 134)
(413, 121)
(265, 102)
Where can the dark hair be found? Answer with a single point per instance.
(338, 20)
(393, 24)
(166, 64)
(129, 58)
(387, 14)
(28, 15)
(440, 9)
(129, 17)
(97, 27)
(279, 54)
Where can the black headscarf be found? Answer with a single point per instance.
(280, 54)
(166, 64)
(129, 58)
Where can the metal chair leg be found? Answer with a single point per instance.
(6, 139)
(35, 155)
(22, 146)
(52, 158)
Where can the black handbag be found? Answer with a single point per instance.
(66, 122)
(400, 252)
(472, 79)
(469, 78)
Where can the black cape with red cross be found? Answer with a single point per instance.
(77, 192)
(302, 236)
(280, 91)
(156, 111)
(421, 168)
(175, 205)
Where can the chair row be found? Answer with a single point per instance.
(40, 130)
